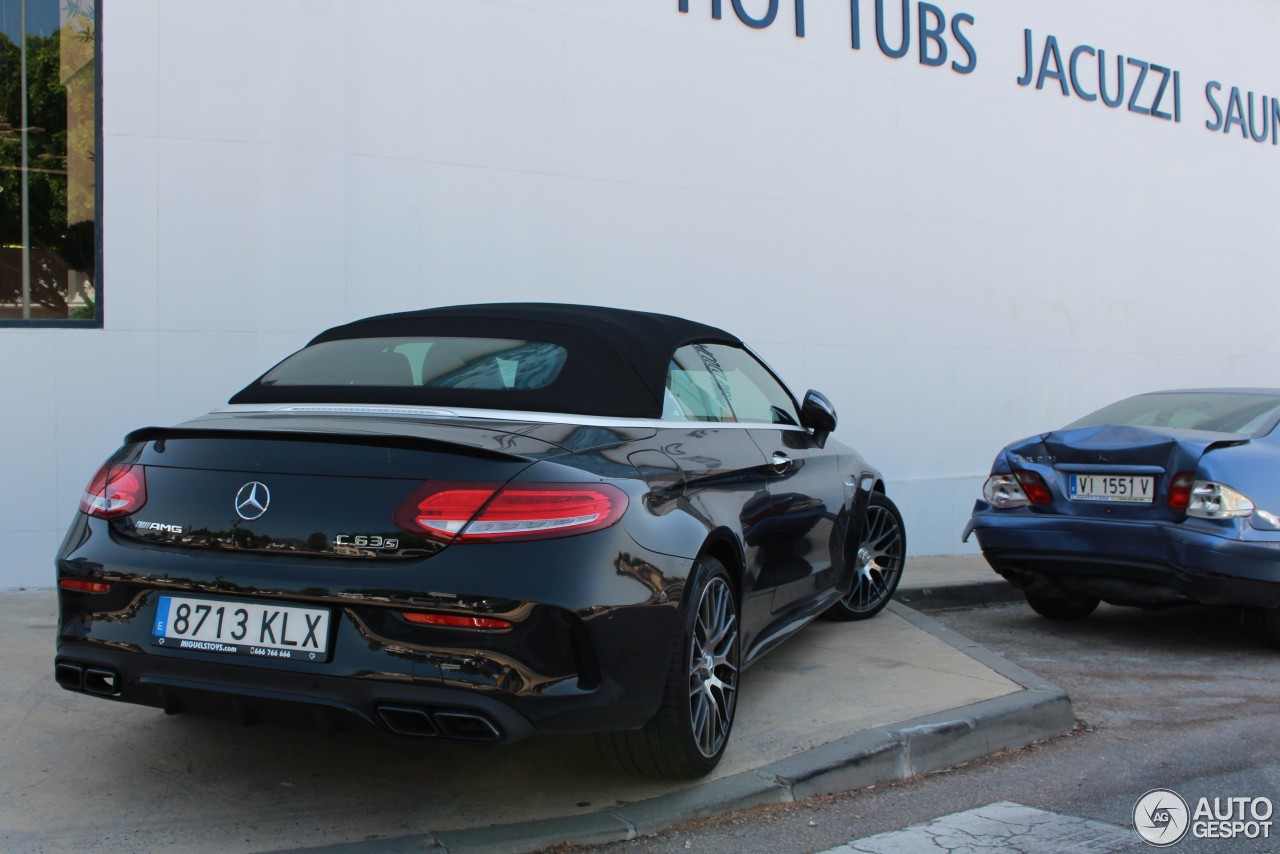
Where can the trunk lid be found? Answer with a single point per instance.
(1115, 470)
(322, 488)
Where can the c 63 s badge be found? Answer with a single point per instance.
(365, 541)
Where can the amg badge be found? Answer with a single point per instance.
(157, 526)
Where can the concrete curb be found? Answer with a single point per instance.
(878, 755)
(942, 597)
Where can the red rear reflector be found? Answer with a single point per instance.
(489, 512)
(116, 490)
(1180, 489)
(1034, 487)
(84, 586)
(454, 621)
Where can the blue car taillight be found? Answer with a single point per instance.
(1180, 490)
(1210, 500)
(1017, 489)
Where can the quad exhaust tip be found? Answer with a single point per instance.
(86, 678)
(420, 722)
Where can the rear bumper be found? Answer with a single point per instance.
(1126, 562)
(588, 654)
(253, 696)
(476, 695)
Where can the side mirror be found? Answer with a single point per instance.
(818, 415)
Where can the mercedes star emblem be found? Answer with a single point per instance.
(252, 500)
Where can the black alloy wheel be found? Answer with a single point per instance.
(712, 668)
(877, 563)
(688, 735)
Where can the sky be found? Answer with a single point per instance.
(42, 16)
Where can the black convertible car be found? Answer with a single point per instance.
(477, 523)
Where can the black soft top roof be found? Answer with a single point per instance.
(616, 366)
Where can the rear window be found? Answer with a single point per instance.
(1224, 412)
(513, 363)
(489, 364)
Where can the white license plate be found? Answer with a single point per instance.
(242, 628)
(1128, 488)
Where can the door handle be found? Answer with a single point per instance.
(781, 462)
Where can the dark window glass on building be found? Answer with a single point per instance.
(49, 143)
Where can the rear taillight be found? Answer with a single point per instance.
(442, 510)
(1207, 499)
(116, 490)
(1034, 486)
(491, 512)
(1180, 490)
(1210, 500)
(1017, 489)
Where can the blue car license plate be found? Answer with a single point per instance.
(1126, 488)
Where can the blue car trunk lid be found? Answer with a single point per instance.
(1124, 454)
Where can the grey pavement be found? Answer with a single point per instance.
(999, 827)
(838, 707)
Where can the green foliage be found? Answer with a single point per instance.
(56, 245)
(80, 16)
(46, 147)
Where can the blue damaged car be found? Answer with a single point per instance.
(1161, 499)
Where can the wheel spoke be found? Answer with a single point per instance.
(877, 586)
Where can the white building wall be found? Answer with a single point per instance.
(955, 259)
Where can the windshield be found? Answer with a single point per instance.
(1221, 412)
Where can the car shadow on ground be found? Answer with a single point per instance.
(1190, 627)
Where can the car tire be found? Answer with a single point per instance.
(1271, 624)
(1069, 608)
(877, 563)
(687, 736)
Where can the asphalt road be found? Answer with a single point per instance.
(1184, 699)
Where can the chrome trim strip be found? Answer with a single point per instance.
(433, 413)
(362, 409)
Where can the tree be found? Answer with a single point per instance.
(57, 242)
